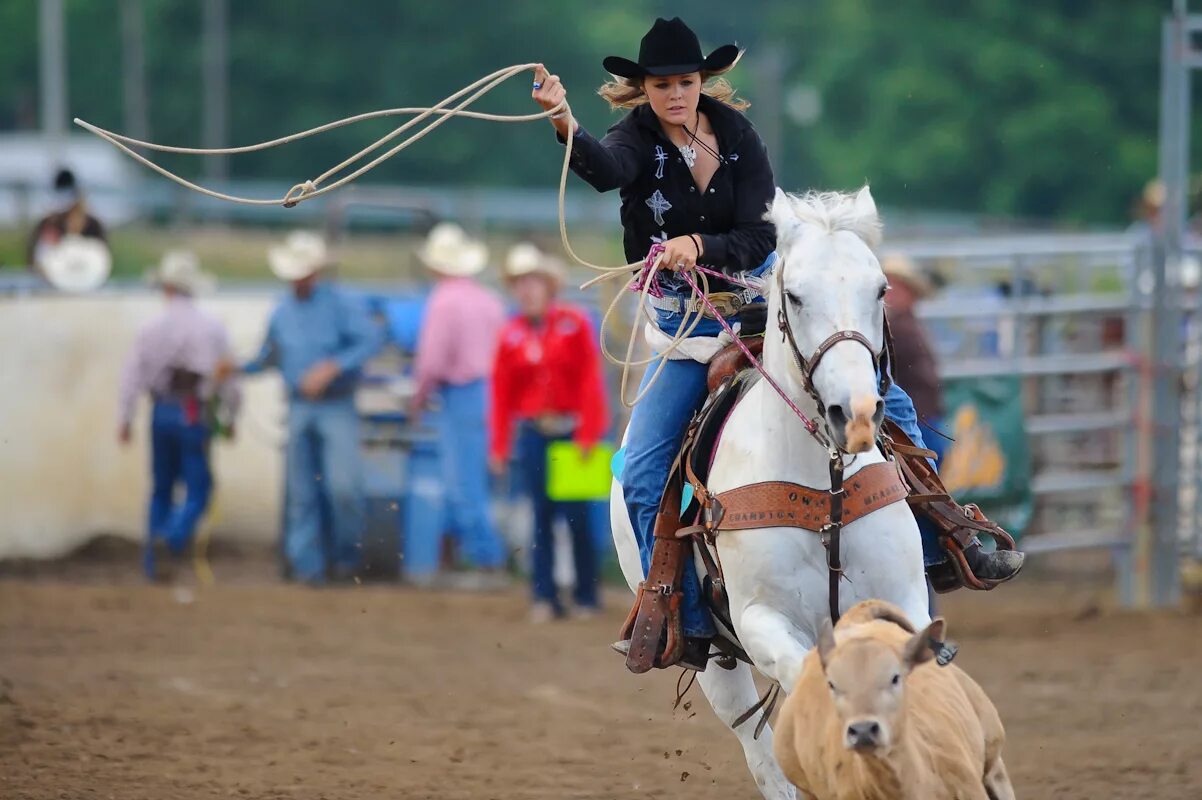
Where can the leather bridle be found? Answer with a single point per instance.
(882, 361)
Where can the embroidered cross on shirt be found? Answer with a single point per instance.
(661, 158)
(658, 205)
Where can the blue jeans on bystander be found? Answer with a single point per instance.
(532, 464)
(463, 456)
(179, 453)
(323, 465)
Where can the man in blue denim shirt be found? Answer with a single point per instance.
(319, 339)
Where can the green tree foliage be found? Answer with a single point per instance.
(1041, 110)
(1035, 109)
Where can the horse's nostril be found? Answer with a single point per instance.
(837, 416)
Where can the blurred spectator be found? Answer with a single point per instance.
(914, 368)
(1147, 208)
(175, 359)
(454, 359)
(319, 339)
(547, 383)
(70, 218)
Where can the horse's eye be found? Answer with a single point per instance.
(896, 680)
(794, 298)
(881, 294)
(831, 684)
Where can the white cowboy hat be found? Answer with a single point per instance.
(526, 259)
(76, 263)
(449, 251)
(302, 254)
(896, 265)
(180, 269)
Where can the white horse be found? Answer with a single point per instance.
(777, 578)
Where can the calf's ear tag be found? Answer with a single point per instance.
(944, 652)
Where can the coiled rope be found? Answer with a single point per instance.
(455, 105)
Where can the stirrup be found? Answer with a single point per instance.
(956, 572)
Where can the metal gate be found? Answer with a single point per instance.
(1069, 315)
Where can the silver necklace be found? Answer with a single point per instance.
(688, 154)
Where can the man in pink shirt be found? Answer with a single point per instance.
(455, 352)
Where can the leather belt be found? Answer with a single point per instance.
(553, 425)
(726, 303)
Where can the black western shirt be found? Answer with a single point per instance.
(660, 199)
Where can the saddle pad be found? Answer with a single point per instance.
(775, 504)
(711, 420)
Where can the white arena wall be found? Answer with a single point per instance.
(63, 476)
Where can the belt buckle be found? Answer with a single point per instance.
(726, 304)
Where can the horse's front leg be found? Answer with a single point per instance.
(730, 694)
(774, 642)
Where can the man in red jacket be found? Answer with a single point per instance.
(547, 387)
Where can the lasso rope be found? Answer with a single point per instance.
(455, 105)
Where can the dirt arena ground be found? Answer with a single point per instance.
(112, 689)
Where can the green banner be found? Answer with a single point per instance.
(989, 461)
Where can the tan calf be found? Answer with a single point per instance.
(871, 719)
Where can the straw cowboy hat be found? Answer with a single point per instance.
(900, 267)
(1153, 194)
(180, 270)
(302, 254)
(448, 250)
(76, 263)
(526, 259)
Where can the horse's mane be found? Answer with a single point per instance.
(830, 212)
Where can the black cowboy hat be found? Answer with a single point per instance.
(64, 179)
(671, 48)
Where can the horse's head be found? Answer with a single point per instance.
(828, 298)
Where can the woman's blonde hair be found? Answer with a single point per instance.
(628, 92)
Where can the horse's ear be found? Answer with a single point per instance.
(780, 213)
(864, 204)
(868, 219)
(826, 642)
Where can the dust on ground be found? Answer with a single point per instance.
(110, 688)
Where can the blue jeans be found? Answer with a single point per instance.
(463, 457)
(532, 464)
(425, 506)
(900, 408)
(653, 438)
(324, 467)
(179, 452)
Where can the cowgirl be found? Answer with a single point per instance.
(694, 177)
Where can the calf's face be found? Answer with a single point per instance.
(867, 682)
